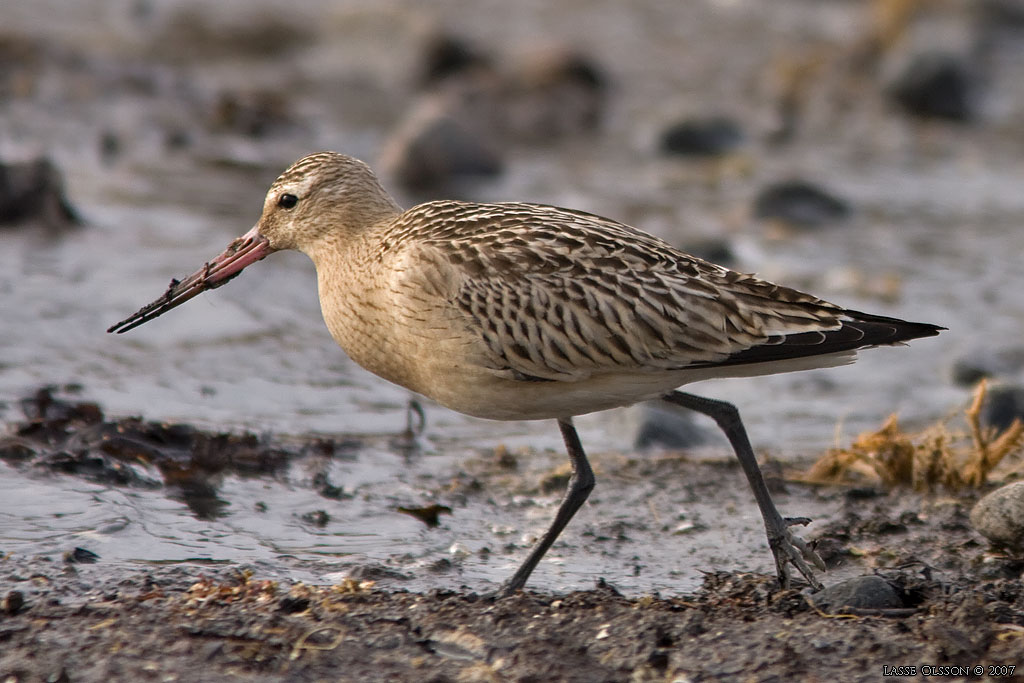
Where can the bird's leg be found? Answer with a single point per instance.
(787, 548)
(415, 419)
(581, 483)
(408, 441)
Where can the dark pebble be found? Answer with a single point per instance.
(446, 55)
(863, 493)
(317, 518)
(861, 592)
(291, 604)
(435, 149)
(980, 364)
(13, 602)
(667, 429)
(323, 486)
(706, 137)
(429, 514)
(938, 85)
(659, 659)
(712, 249)
(33, 192)
(800, 204)
(15, 449)
(110, 146)
(1003, 404)
(560, 93)
(81, 556)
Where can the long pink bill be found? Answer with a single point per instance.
(244, 251)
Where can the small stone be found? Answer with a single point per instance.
(322, 485)
(713, 249)
(33, 192)
(446, 55)
(999, 516)
(291, 604)
(434, 147)
(81, 556)
(1003, 404)
(801, 204)
(110, 146)
(13, 602)
(318, 518)
(701, 137)
(938, 85)
(428, 514)
(861, 592)
(980, 364)
(667, 429)
(558, 94)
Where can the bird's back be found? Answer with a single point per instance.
(559, 295)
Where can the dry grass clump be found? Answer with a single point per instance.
(937, 457)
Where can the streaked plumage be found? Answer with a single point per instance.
(524, 311)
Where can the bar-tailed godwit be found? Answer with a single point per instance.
(515, 311)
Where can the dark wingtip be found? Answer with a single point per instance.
(902, 330)
(858, 331)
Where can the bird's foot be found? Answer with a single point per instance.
(507, 589)
(789, 549)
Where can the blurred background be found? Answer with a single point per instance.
(868, 151)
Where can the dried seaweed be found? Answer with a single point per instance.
(937, 457)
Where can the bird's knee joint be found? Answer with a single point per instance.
(583, 485)
(726, 414)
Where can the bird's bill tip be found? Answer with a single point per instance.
(241, 253)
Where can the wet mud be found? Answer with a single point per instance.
(910, 584)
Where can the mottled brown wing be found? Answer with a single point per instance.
(562, 295)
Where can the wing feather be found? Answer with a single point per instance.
(563, 295)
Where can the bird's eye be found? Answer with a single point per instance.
(287, 201)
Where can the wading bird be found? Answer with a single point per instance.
(515, 311)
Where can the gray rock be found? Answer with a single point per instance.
(801, 204)
(440, 143)
(861, 592)
(702, 137)
(32, 192)
(1003, 404)
(557, 94)
(938, 85)
(445, 56)
(672, 429)
(981, 363)
(999, 516)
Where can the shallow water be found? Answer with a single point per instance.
(938, 212)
